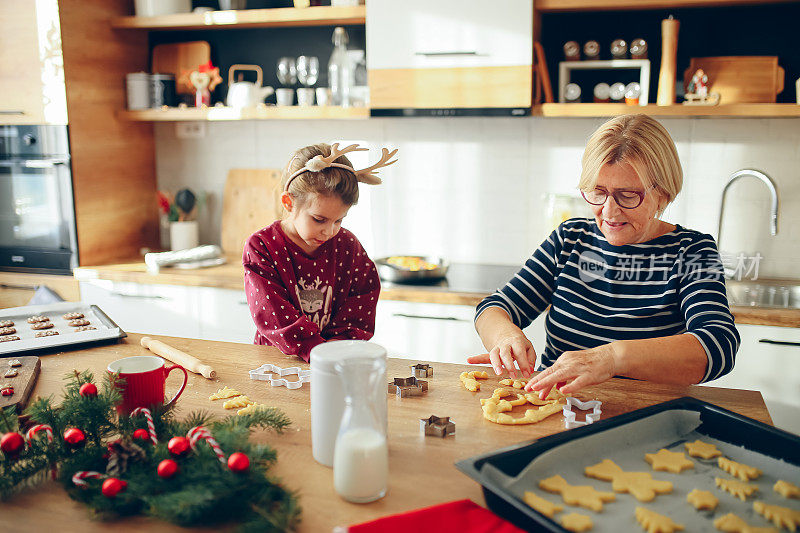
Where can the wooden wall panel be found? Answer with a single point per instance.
(113, 161)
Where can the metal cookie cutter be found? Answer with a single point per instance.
(404, 387)
(437, 426)
(422, 370)
(264, 373)
(569, 414)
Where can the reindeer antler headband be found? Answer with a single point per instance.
(365, 175)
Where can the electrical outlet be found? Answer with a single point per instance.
(190, 130)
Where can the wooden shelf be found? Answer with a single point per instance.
(248, 18)
(555, 6)
(678, 110)
(175, 114)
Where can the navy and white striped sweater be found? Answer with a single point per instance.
(600, 293)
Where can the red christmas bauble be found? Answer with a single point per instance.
(141, 434)
(88, 389)
(238, 462)
(74, 436)
(178, 446)
(12, 443)
(167, 468)
(113, 486)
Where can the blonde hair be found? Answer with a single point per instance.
(644, 144)
(331, 181)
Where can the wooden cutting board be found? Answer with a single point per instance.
(250, 202)
(740, 79)
(174, 58)
(23, 382)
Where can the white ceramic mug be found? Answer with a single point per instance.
(183, 235)
(305, 96)
(323, 96)
(284, 96)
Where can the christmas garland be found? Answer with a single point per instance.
(147, 463)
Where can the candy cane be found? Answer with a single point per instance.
(79, 477)
(200, 432)
(37, 428)
(151, 428)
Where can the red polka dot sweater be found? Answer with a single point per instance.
(298, 300)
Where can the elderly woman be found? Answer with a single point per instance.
(629, 294)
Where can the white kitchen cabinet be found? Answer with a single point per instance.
(223, 315)
(772, 369)
(435, 332)
(156, 309)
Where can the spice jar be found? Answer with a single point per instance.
(638, 49)
(632, 92)
(601, 92)
(572, 93)
(619, 49)
(572, 51)
(617, 92)
(591, 49)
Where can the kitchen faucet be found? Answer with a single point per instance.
(773, 193)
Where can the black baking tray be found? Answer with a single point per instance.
(716, 422)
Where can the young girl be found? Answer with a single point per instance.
(307, 279)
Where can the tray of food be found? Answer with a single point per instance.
(680, 465)
(37, 327)
(411, 268)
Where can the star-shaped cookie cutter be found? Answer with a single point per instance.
(405, 387)
(437, 426)
(265, 372)
(422, 370)
(569, 414)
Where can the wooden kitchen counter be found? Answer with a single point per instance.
(421, 468)
(478, 282)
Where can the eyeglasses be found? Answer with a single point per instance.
(625, 199)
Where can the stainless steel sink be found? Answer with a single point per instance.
(771, 294)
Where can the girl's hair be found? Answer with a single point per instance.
(644, 144)
(331, 181)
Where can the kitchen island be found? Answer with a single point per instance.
(421, 468)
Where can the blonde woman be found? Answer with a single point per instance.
(629, 293)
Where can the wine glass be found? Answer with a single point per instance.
(287, 71)
(307, 70)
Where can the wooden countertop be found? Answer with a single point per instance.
(230, 275)
(421, 468)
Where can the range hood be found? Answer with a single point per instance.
(450, 57)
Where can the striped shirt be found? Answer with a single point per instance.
(599, 293)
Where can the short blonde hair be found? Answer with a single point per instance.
(644, 144)
(331, 181)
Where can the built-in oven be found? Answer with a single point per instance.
(37, 211)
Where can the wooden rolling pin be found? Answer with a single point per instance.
(189, 362)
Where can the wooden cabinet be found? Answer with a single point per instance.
(449, 54)
(31, 64)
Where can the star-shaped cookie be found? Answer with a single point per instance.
(545, 507)
(576, 522)
(704, 450)
(702, 499)
(668, 461)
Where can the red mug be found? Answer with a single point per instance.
(145, 376)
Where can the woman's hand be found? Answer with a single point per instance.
(578, 369)
(510, 347)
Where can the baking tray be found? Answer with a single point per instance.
(107, 329)
(507, 473)
(395, 274)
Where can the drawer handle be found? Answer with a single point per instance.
(453, 53)
(405, 315)
(11, 112)
(243, 302)
(780, 343)
(140, 296)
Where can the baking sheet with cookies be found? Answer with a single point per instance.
(775, 453)
(54, 325)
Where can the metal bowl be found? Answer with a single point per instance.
(388, 272)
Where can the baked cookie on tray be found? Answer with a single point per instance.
(6, 323)
(7, 330)
(38, 318)
(46, 333)
(84, 328)
(72, 316)
(42, 325)
(8, 338)
(78, 322)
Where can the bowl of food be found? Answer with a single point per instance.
(411, 268)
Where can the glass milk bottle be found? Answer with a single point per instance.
(340, 69)
(361, 454)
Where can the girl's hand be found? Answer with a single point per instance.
(578, 369)
(509, 348)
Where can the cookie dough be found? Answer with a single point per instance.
(640, 485)
(576, 522)
(496, 407)
(780, 516)
(668, 461)
(786, 489)
(702, 499)
(742, 471)
(538, 503)
(238, 402)
(224, 393)
(737, 488)
(470, 379)
(652, 522)
(583, 495)
(704, 450)
(731, 523)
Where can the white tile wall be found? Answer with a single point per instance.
(471, 188)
